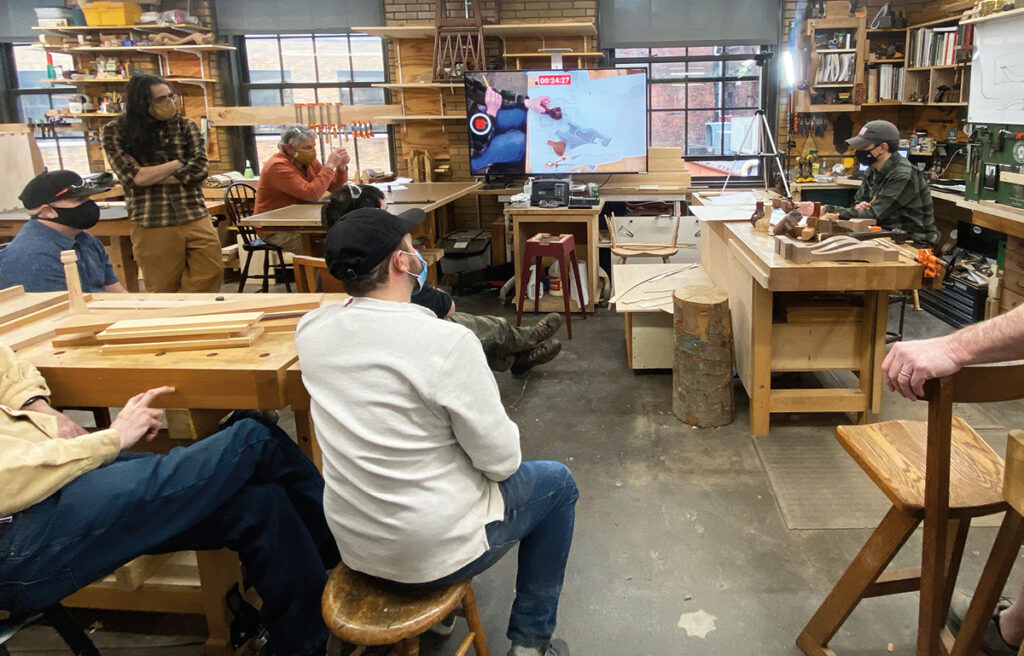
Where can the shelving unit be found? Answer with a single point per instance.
(185, 64)
(924, 83)
(845, 95)
(884, 76)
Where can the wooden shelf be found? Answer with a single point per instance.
(187, 28)
(418, 85)
(184, 46)
(883, 30)
(834, 85)
(828, 50)
(992, 17)
(830, 108)
(120, 80)
(933, 68)
(547, 55)
(883, 103)
(901, 60)
(937, 21)
(421, 117)
(92, 115)
(427, 30)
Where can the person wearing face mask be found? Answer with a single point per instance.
(293, 175)
(159, 157)
(62, 213)
(894, 192)
(425, 482)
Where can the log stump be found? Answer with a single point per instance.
(702, 393)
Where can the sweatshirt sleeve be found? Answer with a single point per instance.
(32, 471)
(286, 179)
(19, 380)
(467, 390)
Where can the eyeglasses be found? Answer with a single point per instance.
(89, 183)
(173, 97)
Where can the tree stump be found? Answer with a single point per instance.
(702, 393)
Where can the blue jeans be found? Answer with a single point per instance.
(247, 488)
(540, 510)
(504, 148)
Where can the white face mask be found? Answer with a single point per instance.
(421, 277)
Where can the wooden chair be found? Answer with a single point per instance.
(366, 611)
(940, 472)
(239, 201)
(1003, 554)
(617, 229)
(311, 275)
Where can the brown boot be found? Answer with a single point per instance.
(546, 328)
(540, 354)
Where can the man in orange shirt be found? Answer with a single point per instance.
(293, 175)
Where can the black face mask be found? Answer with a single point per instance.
(865, 156)
(81, 217)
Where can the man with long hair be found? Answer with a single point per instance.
(160, 158)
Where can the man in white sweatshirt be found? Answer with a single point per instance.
(425, 484)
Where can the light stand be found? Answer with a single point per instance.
(766, 134)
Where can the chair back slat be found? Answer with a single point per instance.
(240, 202)
(309, 271)
(985, 383)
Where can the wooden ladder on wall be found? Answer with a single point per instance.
(458, 42)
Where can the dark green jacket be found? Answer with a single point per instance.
(899, 198)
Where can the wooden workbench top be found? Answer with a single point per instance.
(427, 196)
(755, 252)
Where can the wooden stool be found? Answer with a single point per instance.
(1003, 554)
(940, 472)
(563, 249)
(367, 611)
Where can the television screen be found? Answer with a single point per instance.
(557, 122)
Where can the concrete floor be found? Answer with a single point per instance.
(680, 547)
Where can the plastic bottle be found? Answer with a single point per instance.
(815, 166)
(50, 73)
(248, 174)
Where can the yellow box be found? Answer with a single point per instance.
(112, 13)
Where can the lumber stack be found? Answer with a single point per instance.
(215, 331)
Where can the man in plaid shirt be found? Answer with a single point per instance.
(893, 191)
(160, 158)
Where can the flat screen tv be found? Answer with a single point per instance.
(557, 122)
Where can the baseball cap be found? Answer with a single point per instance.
(62, 185)
(362, 239)
(874, 132)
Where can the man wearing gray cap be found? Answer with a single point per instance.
(425, 483)
(893, 192)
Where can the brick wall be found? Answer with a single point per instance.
(398, 12)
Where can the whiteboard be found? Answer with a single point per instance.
(997, 72)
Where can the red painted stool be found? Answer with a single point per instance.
(563, 249)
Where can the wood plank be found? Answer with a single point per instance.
(56, 308)
(818, 400)
(816, 346)
(185, 345)
(245, 116)
(181, 324)
(97, 321)
(134, 573)
(18, 307)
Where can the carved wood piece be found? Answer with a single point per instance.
(836, 249)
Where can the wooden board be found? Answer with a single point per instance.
(97, 321)
(181, 325)
(836, 249)
(184, 345)
(244, 116)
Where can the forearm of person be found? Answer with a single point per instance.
(32, 471)
(147, 176)
(997, 340)
(19, 380)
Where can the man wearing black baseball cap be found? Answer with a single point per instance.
(61, 213)
(425, 483)
(894, 192)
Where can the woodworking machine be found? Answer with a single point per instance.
(996, 165)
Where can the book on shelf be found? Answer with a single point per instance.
(933, 46)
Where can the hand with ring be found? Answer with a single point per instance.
(909, 364)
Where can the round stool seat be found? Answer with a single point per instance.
(365, 610)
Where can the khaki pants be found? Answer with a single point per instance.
(291, 242)
(182, 258)
(500, 338)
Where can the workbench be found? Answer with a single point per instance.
(822, 316)
(209, 383)
(114, 230)
(581, 223)
(649, 333)
(430, 197)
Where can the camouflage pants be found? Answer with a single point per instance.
(501, 338)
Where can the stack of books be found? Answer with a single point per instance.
(933, 46)
(885, 83)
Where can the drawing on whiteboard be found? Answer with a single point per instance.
(997, 73)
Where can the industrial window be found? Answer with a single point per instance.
(703, 100)
(284, 69)
(60, 139)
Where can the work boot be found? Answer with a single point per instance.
(555, 648)
(540, 354)
(546, 328)
(993, 643)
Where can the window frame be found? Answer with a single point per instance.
(767, 97)
(244, 84)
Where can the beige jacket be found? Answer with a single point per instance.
(34, 461)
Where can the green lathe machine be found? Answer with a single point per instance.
(997, 165)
